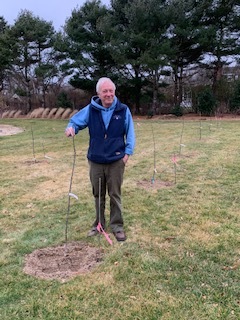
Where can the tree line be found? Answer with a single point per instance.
(145, 46)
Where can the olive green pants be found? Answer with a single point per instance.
(108, 178)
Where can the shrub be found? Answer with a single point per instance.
(235, 100)
(177, 111)
(63, 101)
(206, 102)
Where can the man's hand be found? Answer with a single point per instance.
(70, 132)
(125, 158)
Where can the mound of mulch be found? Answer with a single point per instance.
(62, 262)
(7, 130)
(156, 184)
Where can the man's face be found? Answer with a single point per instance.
(106, 94)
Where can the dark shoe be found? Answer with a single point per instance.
(92, 232)
(120, 235)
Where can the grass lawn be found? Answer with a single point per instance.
(181, 205)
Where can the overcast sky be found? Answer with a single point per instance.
(56, 11)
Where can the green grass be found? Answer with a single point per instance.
(181, 260)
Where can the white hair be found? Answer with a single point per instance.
(101, 81)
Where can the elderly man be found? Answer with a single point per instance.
(112, 141)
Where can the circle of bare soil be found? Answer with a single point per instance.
(8, 130)
(156, 184)
(62, 262)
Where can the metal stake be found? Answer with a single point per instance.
(154, 156)
(33, 147)
(99, 207)
(69, 193)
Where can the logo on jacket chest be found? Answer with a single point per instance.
(117, 117)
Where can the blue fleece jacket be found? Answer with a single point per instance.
(81, 120)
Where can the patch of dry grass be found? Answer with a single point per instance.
(45, 112)
(59, 113)
(52, 113)
(37, 113)
(66, 113)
